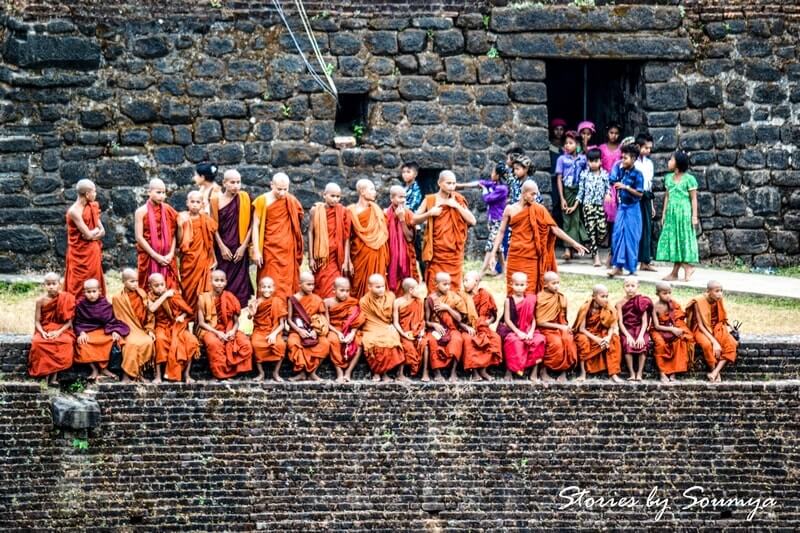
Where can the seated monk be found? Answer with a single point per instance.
(53, 339)
(269, 319)
(176, 346)
(560, 352)
(482, 346)
(673, 341)
(634, 321)
(596, 336)
(400, 223)
(444, 312)
(196, 232)
(708, 320)
(97, 330)
(380, 339)
(228, 349)
(409, 321)
(329, 240)
(130, 307)
(345, 320)
(308, 337)
(523, 344)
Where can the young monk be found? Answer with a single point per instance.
(409, 321)
(97, 330)
(196, 232)
(308, 325)
(673, 342)
(328, 240)
(269, 318)
(53, 339)
(345, 319)
(560, 352)
(176, 346)
(402, 256)
(85, 232)
(229, 350)
(444, 311)
(380, 339)
(155, 226)
(708, 320)
(130, 307)
(482, 346)
(369, 239)
(523, 344)
(634, 319)
(596, 335)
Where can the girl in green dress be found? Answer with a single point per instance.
(678, 242)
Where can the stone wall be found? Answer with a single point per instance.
(121, 101)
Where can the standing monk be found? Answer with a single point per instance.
(328, 240)
(155, 224)
(560, 352)
(531, 249)
(278, 243)
(445, 236)
(708, 320)
(196, 232)
(84, 240)
(52, 342)
(402, 256)
(369, 245)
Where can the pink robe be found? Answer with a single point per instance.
(521, 354)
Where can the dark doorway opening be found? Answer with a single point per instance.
(428, 179)
(351, 114)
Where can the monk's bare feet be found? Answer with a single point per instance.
(508, 376)
(437, 376)
(386, 377)
(106, 373)
(314, 377)
(545, 375)
(614, 272)
(672, 377)
(376, 377)
(639, 376)
(597, 263)
(425, 377)
(664, 378)
(347, 376)
(276, 377)
(484, 374)
(300, 376)
(475, 376)
(534, 375)
(581, 377)
(711, 377)
(54, 381)
(189, 380)
(402, 377)
(670, 277)
(632, 377)
(156, 379)
(687, 273)
(616, 379)
(339, 375)
(453, 378)
(648, 267)
(125, 378)
(259, 377)
(562, 377)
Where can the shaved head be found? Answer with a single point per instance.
(231, 174)
(446, 174)
(363, 184)
(219, 273)
(83, 186)
(530, 185)
(442, 276)
(280, 179)
(341, 282)
(599, 289)
(91, 284)
(375, 278)
(663, 286)
(713, 284)
(550, 276)
(409, 284)
(156, 183)
(196, 195)
(155, 277)
(519, 277)
(397, 189)
(52, 276)
(129, 273)
(306, 276)
(332, 188)
(266, 279)
(473, 275)
(631, 279)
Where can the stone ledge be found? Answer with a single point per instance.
(595, 46)
(626, 19)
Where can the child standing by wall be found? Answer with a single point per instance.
(586, 130)
(628, 227)
(568, 169)
(593, 190)
(610, 151)
(645, 165)
(678, 242)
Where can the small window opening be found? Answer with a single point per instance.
(351, 115)
(428, 179)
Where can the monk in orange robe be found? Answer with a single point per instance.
(155, 226)
(53, 339)
(97, 330)
(445, 311)
(232, 212)
(308, 324)
(278, 243)
(482, 345)
(409, 321)
(176, 346)
(531, 248)
(708, 320)
(269, 318)
(196, 232)
(328, 240)
(85, 234)
(369, 241)
(560, 353)
(402, 256)
(380, 339)
(448, 219)
(597, 337)
(345, 319)
(673, 341)
(228, 349)
(130, 307)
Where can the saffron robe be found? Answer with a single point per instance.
(402, 256)
(441, 353)
(521, 354)
(84, 258)
(308, 358)
(225, 359)
(411, 318)
(344, 316)
(598, 322)
(560, 352)
(196, 255)
(531, 249)
(369, 246)
(632, 312)
(380, 339)
(159, 228)
(131, 308)
(280, 239)
(715, 319)
(97, 320)
(331, 232)
(484, 348)
(269, 313)
(48, 356)
(175, 344)
(443, 243)
(233, 222)
(672, 353)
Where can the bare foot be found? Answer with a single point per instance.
(648, 267)
(639, 377)
(672, 377)
(545, 376)
(534, 376)
(156, 379)
(567, 255)
(189, 380)
(386, 377)
(347, 376)
(402, 377)
(340, 378)
(453, 378)
(664, 378)
(475, 376)
(632, 377)
(509, 376)
(562, 377)
(276, 377)
(597, 263)
(616, 379)
(670, 277)
(614, 272)
(711, 377)
(298, 377)
(687, 273)
(54, 382)
(582, 377)
(125, 378)
(376, 377)
(438, 377)
(314, 377)
(109, 374)
(259, 378)
(425, 378)
(485, 375)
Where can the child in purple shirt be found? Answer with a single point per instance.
(495, 194)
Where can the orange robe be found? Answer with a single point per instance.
(175, 344)
(485, 347)
(369, 246)
(225, 359)
(560, 350)
(269, 313)
(442, 351)
(48, 356)
(402, 256)
(137, 352)
(84, 258)
(598, 322)
(715, 319)
(412, 319)
(280, 239)
(672, 353)
(344, 316)
(197, 255)
(165, 226)
(308, 358)
(531, 249)
(380, 339)
(331, 232)
(97, 320)
(444, 241)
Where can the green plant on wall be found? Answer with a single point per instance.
(492, 52)
(216, 4)
(486, 20)
(77, 386)
(82, 445)
(358, 131)
(286, 111)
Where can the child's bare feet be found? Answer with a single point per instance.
(664, 378)
(386, 377)
(614, 272)
(314, 377)
(188, 380)
(277, 377)
(687, 273)
(648, 267)
(437, 376)
(616, 379)
(300, 376)
(109, 374)
(376, 377)
(484, 374)
(581, 377)
(425, 377)
(475, 376)
(562, 377)
(545, 375)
